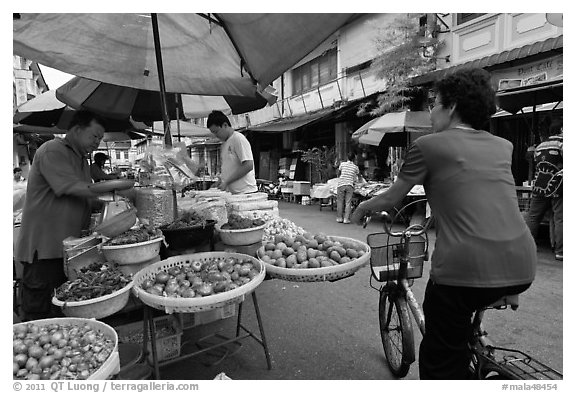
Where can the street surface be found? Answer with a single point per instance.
(329, 331)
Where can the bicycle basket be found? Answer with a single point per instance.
(524, 201)
(386, 253)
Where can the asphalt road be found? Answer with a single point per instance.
(329, 331)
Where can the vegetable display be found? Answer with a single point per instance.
(58, 351)
(202, 278)
(92, 282)
(187, 220)
(236, 221)
(281, 226)
(308, 251)
(135, 236)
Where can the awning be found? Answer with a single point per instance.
(555, 43)
(512, 100)
(292, 123)
(529, 109)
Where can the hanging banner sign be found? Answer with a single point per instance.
(529, 73)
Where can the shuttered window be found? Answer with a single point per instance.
(319, 71)
(463, 18)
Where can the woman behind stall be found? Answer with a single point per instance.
(483, 249)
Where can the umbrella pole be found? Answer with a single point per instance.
(177, 98)
(158, 51)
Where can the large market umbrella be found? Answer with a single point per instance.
(45, 112)
(122, 102)
(372, 132)
(206, 54)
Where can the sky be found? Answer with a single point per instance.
(54, 78)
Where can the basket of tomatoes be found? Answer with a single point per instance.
(198, 282)
(64, 348)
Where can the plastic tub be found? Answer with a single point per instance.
(134, 253)
(99, 307)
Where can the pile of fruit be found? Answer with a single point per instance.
(188, 219)
(281, 226)
(202, 278)
(58, 351)
(308, 251)
(92, 282)
(236, 221)
(143, 234)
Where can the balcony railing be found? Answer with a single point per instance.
(341, 90)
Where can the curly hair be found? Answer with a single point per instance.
(472, 93)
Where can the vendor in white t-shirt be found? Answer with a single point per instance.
(237, 175)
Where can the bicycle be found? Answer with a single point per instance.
(397, 258)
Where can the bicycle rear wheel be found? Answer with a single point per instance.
(396, 331)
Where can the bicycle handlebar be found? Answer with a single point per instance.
(412, 230)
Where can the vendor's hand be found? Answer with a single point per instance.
(359, 214)
(222, 185)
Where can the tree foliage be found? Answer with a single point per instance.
(405, 50)
(322, 160)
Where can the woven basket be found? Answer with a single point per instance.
(191, 305)
(99, 307)
(111, 366)
(331, 273)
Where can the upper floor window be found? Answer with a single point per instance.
(317, 72)
(463, 18)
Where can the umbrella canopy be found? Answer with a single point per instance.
(206, 54)
(121, 102)
(372, 132)
(186, 129)
(45, 111)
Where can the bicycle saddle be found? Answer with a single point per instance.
(509, 300)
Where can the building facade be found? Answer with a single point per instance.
(319, 95)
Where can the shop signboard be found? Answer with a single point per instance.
(530, 73)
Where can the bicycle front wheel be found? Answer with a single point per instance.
(396, 331)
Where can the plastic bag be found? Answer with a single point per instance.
(169, 167)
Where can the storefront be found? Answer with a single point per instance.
(526, 80)
(530, 97)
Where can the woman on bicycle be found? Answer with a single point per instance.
(483, 248)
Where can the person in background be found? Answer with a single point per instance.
(18, 178)
(547, 191)
(237, 175)
(483, 249)
(97, 169)
(58, 205)
(348, 173)
(19, 185)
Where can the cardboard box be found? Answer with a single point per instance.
(168, 336)
(190, 320)
(301, 188)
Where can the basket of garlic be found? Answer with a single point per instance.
(281, 226)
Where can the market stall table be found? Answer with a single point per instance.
(192, 305)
